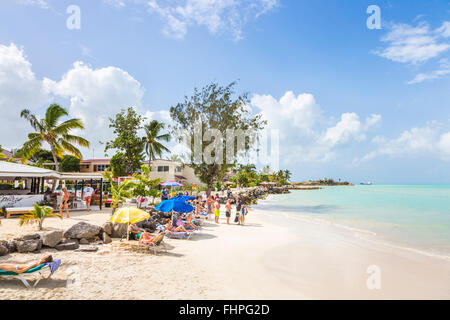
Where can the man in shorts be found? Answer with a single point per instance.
(238, 210)
(87, 196)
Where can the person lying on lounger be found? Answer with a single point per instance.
(21, 268)
(186, 224)
(140, 234)
(171, 228)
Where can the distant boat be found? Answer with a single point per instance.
(366, 183)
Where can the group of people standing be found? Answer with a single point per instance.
(210, 205)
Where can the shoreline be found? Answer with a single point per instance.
(261, 260)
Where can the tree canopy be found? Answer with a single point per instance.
(214, 108)
(126, 125)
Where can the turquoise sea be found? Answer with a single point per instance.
(416, 216)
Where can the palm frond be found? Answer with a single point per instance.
(76, 139)
(66, 126)
(53, 113)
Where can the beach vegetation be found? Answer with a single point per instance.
(37, 215)
(126, 125)
(56, 133)
(143, 186)
(118, 165)
(119, 192)
(70, 163)
(154, 138)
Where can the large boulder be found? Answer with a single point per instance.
(71, 244)
(108, 228)
(11, 245)
(106, 238)
(82, 230)
(3, 250)
(52, 238)
(24, 246)
(87, 249)
(31, 236)
(119, 230)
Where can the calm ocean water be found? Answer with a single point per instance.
(416, 216)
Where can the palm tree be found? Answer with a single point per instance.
(119, 192)
(57, 134)
(2, 156)
(153, 147)
(38, 215)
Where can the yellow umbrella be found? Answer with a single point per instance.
(129, 215)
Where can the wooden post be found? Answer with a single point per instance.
(101, 193)
(43, 184)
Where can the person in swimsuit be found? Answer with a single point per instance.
(244, 212)
(21, 268)
(228, 211)
(216, 211)
(171, 228)
(209, 204)
(64, 203)
(140, 234)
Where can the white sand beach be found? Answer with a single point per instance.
(260, 260)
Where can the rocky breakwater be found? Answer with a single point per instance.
(252, 195)
(80, 237)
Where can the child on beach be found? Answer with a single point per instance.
(244, 212)
(228, 211)
(216, 211)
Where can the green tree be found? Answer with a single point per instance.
(118, 165)
(55, 133)
(70, 164)
(126, 125)
(152, 140)
(215, 107)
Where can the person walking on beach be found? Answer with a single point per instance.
(238, 210)
(216, 211)
(228, 210)
(64, 202)
(87, 196)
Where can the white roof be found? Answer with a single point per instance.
(12, 170)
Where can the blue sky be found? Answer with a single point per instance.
(350, 102)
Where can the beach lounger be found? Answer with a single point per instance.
(39, 270)
(179, 235)
(156, 241)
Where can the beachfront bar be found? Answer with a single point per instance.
(21, 186)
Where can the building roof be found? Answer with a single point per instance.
(13, 170)
(95, 160)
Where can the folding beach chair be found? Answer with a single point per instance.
(179, 235)
(156, 241)
(39, 270)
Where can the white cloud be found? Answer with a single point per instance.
(350, 128)
(408, 44)
(215, 15)
(19, 89)
(443, 70)
(39, 3)
(306, 134)
(417, 141)
(95, 95)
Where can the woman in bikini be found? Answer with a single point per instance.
(64, 202)
(140, 234)
(171, 228)
(21, 268)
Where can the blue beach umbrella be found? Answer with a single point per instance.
(176, 205)
(184, 198)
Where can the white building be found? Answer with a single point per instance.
(168, 170)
